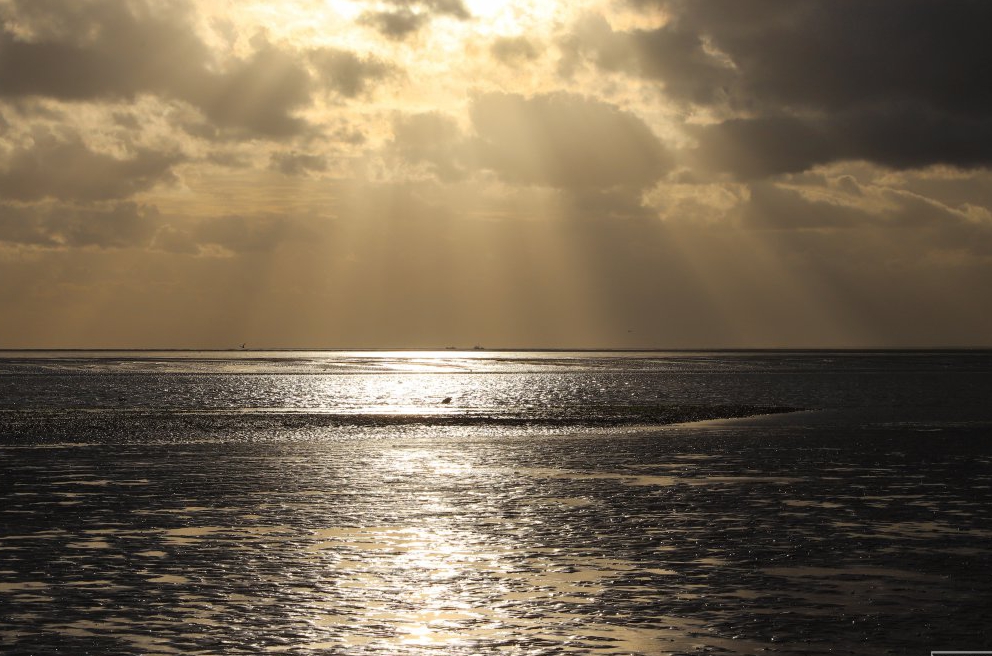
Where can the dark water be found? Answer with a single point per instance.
(210, 503)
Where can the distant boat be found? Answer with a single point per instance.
(242, 345)
(478, 348)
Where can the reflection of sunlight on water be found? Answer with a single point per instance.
(419, 461)
(401, 394)
(435, 597)
(411, 586)
(459, 572)
(414, 540)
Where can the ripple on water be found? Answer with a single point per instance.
(596, 545)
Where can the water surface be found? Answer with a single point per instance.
(213, 503)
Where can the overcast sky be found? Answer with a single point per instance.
(404, 173)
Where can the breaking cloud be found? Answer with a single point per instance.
(348, 74)
(514, 51)
(107, 50)
(65, 168)
(407, 17)
(131, 225)
(704, 172)
(61, 225)
(899, 83)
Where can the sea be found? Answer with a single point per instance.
(495, 502)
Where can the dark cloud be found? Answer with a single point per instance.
(257, 96)
(397, 24)
(409, 16)
(127, 121)
(897, 137)
(935, 226)
(294, 163)
(348, 74)
(125, 224)
(229, 159)
(897, 82)
(455, 8)
(66, 169)
(567, 141)
(514, 50)
(97, 49)
(673, 56)
(56, 225)
(108, 50)
(837, 54)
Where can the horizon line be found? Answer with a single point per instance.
(504, 349)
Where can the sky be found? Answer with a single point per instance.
(516, 173)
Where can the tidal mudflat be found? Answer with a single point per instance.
(858, 530)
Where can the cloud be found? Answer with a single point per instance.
(433, 140)
(129, 225)
(67, 169)
(674, 57)
(565, 140)
(898, 82)
(235, 234)
(173, 240)
(347, 73)
(409, 16)
(842, 204)
(395, 24)
(294, 163)
(257, 96)
(838, 54)
(107, 50)
(97, 49)
(248, 234)
(454, 8)
(514, 50)
(559, 140)
(775, 207)
(896, 137)
(58, 225)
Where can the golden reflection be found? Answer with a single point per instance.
(403, 395)
(460, 569)
(420, 585)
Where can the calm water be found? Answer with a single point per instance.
(517, 503)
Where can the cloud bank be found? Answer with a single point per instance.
(663, 173)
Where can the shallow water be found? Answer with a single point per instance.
(204, 524)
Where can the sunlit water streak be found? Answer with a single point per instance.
(171, 503)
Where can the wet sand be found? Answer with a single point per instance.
(767, 535)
